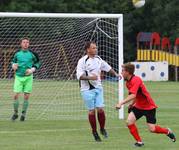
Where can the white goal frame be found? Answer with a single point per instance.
(78, 15)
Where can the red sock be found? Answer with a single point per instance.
(101, 119)
(92, 120)
(160, 130)
(134, 132)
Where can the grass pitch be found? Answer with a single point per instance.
(60, 131)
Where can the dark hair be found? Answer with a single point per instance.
(24, 38)
(88, 44)
(129, 68)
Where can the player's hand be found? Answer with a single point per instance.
(14, 67)
(30, 71)
(130, 106)
(118, 106)
(93, 77)
(119, 76)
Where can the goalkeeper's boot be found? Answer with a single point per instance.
(22, 118)
(96, 137)
(171, 135)
(104, 133)
(14, 117)
(138, 144)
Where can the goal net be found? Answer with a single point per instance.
(59, 40)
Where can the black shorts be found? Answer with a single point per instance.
(149, 114)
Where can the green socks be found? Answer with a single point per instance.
(25, 106)
(16, 105)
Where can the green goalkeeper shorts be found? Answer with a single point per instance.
(23, 84)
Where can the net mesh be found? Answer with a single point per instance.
(60, 44)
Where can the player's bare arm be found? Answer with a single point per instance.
(114, 72)
(129, 98)
(131, 104)
(93, 77)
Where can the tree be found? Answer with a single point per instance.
(156, 15)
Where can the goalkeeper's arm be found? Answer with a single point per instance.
(14, 61)
(37, 63)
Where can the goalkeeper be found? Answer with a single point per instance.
(24, 63)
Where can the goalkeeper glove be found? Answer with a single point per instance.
(30, 71)
(14, 67)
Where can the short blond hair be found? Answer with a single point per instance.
(129, 68)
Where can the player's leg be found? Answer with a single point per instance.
(134, 115)
(27, 90)
(92, 121)
(18, 88)
(99, 103)
(16, 106)
(151, 123)
(88, 97)
(25, 106)
(101, 120)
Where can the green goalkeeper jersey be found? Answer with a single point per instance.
(26, 59)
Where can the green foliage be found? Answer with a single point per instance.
(156, 16)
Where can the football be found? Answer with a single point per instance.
(138, 3)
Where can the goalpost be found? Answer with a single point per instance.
(59, 39)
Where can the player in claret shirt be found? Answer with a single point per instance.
(24, 63)
(142, 105)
